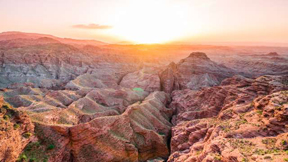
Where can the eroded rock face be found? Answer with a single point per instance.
(83, 103)
(194, 72)
(16, 131)
(146, 78)
(138, 134)
(257, 65)
(248, 121)
(53, 65)
(72, 107)
(238, 90)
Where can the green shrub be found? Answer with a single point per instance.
(16, 126)
(5, 106)
(27, 135)
(51, 147)
(22, 157)
(32, 160)
(138, 89)
(244, 160)
(217, 157)
(260, 112)
(6, 117)
(162, 134)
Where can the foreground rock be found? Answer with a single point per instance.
(241, 120)
(16, 131)
(194, 72)
(138, 134)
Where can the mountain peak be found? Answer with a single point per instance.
(199, 55)
(273, 54)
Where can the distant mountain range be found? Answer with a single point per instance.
(21, 35)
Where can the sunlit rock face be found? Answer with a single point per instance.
(194, 72)
(253, 65)
(46, 63)
(242, 119)
(146, 78)
(138, 134)
(72, 107)
(16, 131)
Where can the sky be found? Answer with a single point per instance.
(151, 21)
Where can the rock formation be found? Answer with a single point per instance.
(194, 72)
(257, 65)
(16, 131)
(240, 120)
(88, 101)
(147, 79)
(138, 134)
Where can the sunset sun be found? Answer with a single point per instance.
(151, 22)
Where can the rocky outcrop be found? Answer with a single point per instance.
(272, 54)
(138, 134)
(238, 90)
(194, 72)
(257, 65)
(16, 131)
(72, 107)
(47, 64)
(241, 120)
(146, 79)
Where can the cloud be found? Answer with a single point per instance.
(92, 26)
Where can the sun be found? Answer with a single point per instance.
(151, 21)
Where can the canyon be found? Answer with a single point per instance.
(77, 100)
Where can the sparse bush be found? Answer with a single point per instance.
(162, 134)
(16, 126)
(51, 147)
(22, 157)
(260, 112)
(244, 160)
(32, 160)
(6, 117)
(5, 106)
(269, 142)
(217, 157)
(27, 135)
(264, 152)
(267, 157)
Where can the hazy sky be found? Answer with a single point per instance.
(150, 21)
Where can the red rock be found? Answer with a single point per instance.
(248, 122)
(139, 134)
(16, 131)
(194, 72)
(147, 79)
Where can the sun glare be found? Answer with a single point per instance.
(150, 22)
